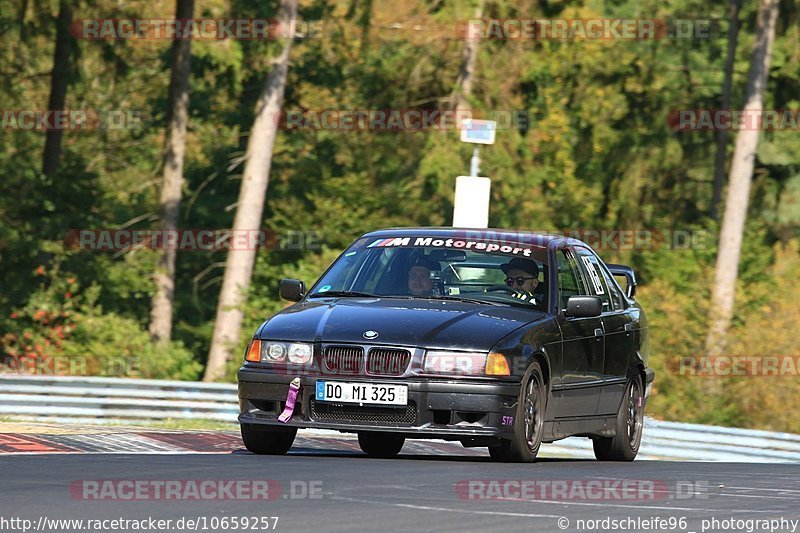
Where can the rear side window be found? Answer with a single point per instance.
(613, 288)
(570, 282)
(595, 277)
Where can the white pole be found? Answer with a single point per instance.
(474, 164)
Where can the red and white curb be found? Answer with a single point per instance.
(28, 439)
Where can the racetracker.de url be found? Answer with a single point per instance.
(162, 525)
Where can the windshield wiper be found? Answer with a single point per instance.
(343, 294)
(356, 294)
(454, 299)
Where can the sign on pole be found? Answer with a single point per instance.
(471, 205)
(478, 131)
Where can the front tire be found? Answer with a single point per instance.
(624, 446)
(268, 440)
(528, 422)
(380, 445)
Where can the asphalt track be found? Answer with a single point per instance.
(414, 492)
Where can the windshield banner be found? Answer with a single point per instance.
(457, 243)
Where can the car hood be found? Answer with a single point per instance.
(424, 323)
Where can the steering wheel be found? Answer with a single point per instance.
(500, 288)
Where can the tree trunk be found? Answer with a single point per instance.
(172, 181)
(466, 72)
(239, 263)
(724, 134)
(741, 174)
(58, 86)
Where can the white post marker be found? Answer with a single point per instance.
(471, 204)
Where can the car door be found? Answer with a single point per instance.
(583, 344)
(618, 329)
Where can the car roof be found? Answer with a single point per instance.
(523, 237)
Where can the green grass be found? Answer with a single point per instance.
(182, 423)
(169, 423)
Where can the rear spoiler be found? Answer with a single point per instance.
(627, 272)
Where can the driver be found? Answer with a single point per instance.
(420, 281)
(522, 275)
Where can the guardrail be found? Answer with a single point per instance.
(82, 399)
(696, 442)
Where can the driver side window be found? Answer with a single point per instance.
(570, 282)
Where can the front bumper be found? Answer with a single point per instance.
(438, 408)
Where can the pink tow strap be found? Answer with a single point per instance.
(294, 388)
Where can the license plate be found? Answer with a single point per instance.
(362, 393)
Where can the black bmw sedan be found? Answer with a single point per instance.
(493, 338)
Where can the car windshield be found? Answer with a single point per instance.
(439, 268)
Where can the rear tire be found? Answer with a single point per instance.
(268, 440)
(380, 445)
(624, 446)
(528, 422)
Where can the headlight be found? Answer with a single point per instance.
(297, 353)
(461, 363)
(275, 351)
(466, 363)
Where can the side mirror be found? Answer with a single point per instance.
(627, 273)
(292, 289)
(584, 306)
